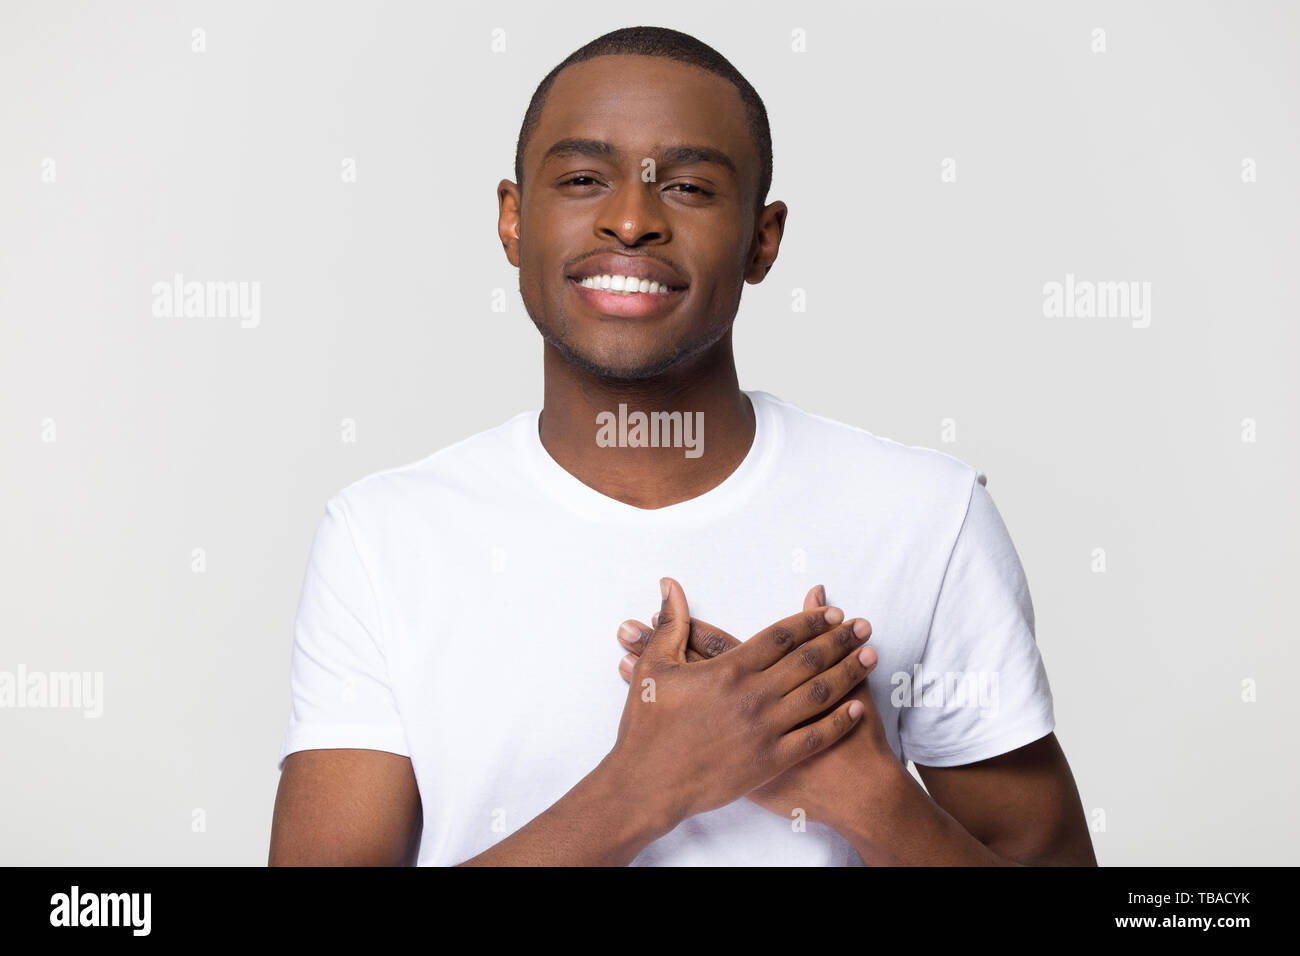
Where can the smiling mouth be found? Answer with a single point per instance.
(626, 285)
(627, 304)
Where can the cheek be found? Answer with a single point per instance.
(538, 241)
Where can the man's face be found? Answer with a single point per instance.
(587, 210)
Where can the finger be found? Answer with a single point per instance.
(816, 598)
(775, 641)
(860, 691)
(818, 655)
(668, 642)
(817, 693)
(803, 742)
(634, 636)
(706, 641)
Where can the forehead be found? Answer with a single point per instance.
(637, 102)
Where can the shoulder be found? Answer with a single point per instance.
(435, 481)
(900, 473)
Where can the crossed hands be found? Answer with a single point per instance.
(783, 718)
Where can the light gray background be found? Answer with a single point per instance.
(925, 303)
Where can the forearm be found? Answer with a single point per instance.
(896, 823)
(602, 821)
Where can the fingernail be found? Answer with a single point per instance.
(855, 709)
(663, 588)
(834, 616)
(627, 632)
(821, 594)
(867, 656)
(628, 662)
(862, 629)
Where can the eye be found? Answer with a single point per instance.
(583, 181)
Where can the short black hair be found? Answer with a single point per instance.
(673, 45)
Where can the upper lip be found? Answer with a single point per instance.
(639, 267)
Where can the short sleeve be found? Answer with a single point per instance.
(980, 688)
(341, 695)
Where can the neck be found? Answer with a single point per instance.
(647, 477)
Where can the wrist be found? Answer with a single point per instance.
(866, 807)
(651, 810)
(901, 825)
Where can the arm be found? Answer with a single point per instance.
(695, 738)
(357, 804)
(1022, 805)
(1018, 808)
(589, 826)
(346, 808)
(362, 808)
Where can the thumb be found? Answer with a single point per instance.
(671, 634)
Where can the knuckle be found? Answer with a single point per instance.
(712, 644)
(730, 671)
(812, 739)
(844, 637)
(782, 637)
(815, 621)
(812, 657)
(819, 691)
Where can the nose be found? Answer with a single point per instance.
(633, 216)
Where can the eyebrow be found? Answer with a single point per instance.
(666, 155)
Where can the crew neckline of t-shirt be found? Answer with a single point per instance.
(733, 490)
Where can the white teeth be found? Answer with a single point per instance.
(626, 285)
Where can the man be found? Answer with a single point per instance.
(453, 697)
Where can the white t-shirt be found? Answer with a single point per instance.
(461, 610)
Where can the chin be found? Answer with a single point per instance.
(617, 366)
